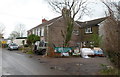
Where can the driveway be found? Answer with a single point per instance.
(76, 65)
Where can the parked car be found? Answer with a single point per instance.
(13, 46)
(98, 52)
(85, 52)
(40, 47)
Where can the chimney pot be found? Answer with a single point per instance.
(44, 20)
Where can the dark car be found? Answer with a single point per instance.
(13, 46)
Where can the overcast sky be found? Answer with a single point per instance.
(31, 12)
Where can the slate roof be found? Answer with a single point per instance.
(90, 23)
(47, 22)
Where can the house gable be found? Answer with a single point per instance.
(88, 29)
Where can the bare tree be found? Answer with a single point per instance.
(20, 28)
(14, 34)
(18, 32)
(69, 10)
(2, 28)
(74, 6)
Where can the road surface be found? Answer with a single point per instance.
(0, 62)
(19, 64)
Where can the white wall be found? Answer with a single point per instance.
(19, 41)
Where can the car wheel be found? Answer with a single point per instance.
(36, 52)
(10, 49)
(43, 51)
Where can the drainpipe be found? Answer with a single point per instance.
(47, 38)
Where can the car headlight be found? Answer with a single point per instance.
(11, 47)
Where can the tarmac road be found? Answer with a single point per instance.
(19, 64)
(0, 62)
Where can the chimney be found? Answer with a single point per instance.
(44, 20)
(66, 12)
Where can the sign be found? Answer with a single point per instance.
(4, 42)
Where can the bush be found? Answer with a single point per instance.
(108, 70)
(114, 58)
(29, 52)
(25, 49)
(26, 45)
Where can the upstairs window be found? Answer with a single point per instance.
(88, 30)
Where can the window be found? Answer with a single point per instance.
(88, 30)
(76, 32)
(33, 31)
(36, 31)
(42, 32)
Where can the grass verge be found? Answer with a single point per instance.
(29, 52)
(109, 70)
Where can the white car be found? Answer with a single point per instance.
(98, 52)
(13, 46)
(86, 51)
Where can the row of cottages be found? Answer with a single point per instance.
(51, 31)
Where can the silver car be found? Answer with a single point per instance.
(13, 46)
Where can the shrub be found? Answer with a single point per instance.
(29, 52)
(26, 45)
(108, 70)
(114, 58)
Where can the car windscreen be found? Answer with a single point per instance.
(13, 44)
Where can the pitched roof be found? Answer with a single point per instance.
(91, 23)
(47, 22)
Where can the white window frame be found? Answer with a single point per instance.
(42, 31)
(33, 31)
(88, 30)
(36, 31)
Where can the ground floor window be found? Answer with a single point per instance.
(87, 44)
